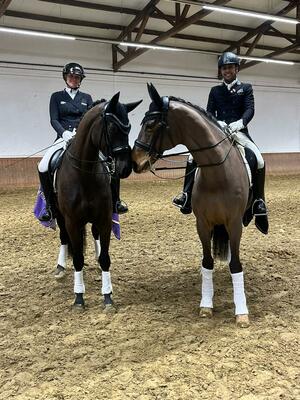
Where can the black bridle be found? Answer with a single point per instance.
(123, 128)
(92, 166)
(161, 118)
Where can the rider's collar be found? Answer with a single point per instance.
(231, 84)
(71, 92)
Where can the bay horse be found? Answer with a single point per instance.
(83, 186)
(221, 189)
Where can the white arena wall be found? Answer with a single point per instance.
(30, 70)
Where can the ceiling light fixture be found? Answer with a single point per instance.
(36, 33)
(133, 44)
(267, 60)
(153, 47)
(238, 11)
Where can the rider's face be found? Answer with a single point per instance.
(229, 72)
(73, 81)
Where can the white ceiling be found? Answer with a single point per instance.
(120, 20)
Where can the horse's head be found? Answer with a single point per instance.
(152, 140)
(116, 134)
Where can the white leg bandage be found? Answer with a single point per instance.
(62, 256)
(97, 248)
(78, 282)
(207, 288)
(239, 297)
(106, 283)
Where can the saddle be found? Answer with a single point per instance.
(55, 162)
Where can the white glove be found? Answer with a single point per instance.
(67, 135)
(222, 124)
(236, 126)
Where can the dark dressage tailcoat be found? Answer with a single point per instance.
(65, 112)
(232, 105)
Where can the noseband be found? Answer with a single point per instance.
(161, 118)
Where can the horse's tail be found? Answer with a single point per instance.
(220, 242)
(70, 249)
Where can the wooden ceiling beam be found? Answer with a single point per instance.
(283, 35)
(262, 28)
(151, 32)
(171, 32)
(3, 6)
(147, 10)
(169, 18)
(272, 55)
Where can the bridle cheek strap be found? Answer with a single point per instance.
(163, 125)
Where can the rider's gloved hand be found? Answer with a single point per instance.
(67, 135)
(222, 124)
(236, 126)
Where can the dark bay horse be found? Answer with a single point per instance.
(83, 185)
(221, 188)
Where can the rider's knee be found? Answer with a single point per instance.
(260, 162)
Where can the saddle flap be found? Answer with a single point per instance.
(55, 161)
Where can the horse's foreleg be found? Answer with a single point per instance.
(207, 289)
(95, 233)
(63, 251)
(241, 310)
(76, 239)
(104, 261)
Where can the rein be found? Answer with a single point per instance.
(91, 166)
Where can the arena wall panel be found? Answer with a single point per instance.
(22, 172)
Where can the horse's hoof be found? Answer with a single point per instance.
(205, 312)
(109, 309)
(78, 307)
(242, 321)
(60, 272)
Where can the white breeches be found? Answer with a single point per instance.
(43, 164)
(242, 139)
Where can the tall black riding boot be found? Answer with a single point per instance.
(183, 200)
(118, 205)
(259, 208)
(46, 185)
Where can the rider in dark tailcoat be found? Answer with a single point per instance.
(66, 110)
(232, 104)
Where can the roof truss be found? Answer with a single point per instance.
(137, 29)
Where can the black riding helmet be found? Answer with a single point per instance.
(228, 58)
(73, 68)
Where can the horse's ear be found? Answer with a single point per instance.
(112, 104)
(153, 93)
(131, 106)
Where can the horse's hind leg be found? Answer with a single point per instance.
(60, 270)
(76, 235)
(207, 289)
(104, 261)
(241, 311)
(96, 236)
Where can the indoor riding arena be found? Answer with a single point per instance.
(154, 342)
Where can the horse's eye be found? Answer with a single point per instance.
(150, 124)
